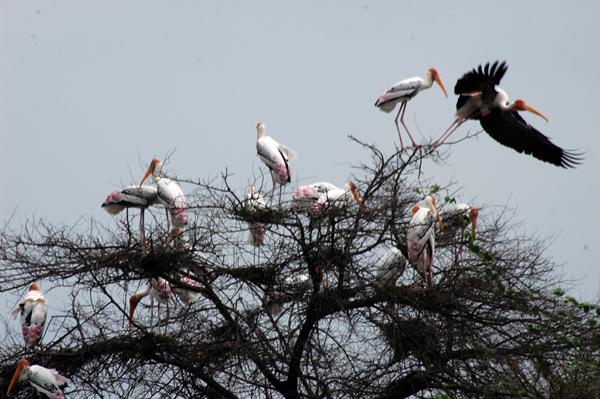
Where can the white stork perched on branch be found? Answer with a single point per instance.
(33, 311)
(404, 90)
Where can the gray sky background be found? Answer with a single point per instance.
(90, 91)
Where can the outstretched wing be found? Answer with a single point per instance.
(481, 78)
(510, 129)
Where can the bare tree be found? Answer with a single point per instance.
(495, 322)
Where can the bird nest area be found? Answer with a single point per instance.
(305, 312)
(263, 215)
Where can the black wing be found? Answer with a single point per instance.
(510, 129)
(287, 165)
(481, 78)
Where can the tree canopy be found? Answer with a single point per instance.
(494, 323)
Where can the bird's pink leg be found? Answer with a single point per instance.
(398, 127)
(455, 125)
(280, 191)
(406, 128)
(142, 230)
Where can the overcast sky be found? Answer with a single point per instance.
(90, 91)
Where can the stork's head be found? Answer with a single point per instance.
(153, 169)
(415, 209)
(436, 76)
(260, 130)
(20, 373)
(355, 194)
(520, 105)
(430, 203)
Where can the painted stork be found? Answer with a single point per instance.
(47, 382)
(158, 289)
(421, 237)
(274, 298)
(132, 197)
(338, 198)
(481, 98)
(33, 311)
(170, 195)
(456, 217)
(185, 295)
(275, 156)
(389, 267)
(254, 203)
(402, 92)
(306, 196)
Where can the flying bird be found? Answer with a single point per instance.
(170, 195)
(33, 311)
(275, 156)
(389, 267)
(421, 237)
(402, 92)
(132, 197)
(47, 382)
(482, 99)
(158, 289)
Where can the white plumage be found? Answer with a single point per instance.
(158, 289)
(47, 382)
(170, 195)
(33, 311)
(402, 91)
(306, 196)
(457, 216)
(421, 237)
(140, 197)
(338, 198)
(254, 203)
(185, 295)
(389, 267)
(274, 155)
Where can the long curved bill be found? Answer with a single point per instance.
(521, 105)
(438, 217)
(535, 111)
(473, 214)
(436, 77)
(148, 173)
(15, 378)
(356, 195)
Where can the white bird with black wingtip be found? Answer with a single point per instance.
(275, 156)
(421, 237)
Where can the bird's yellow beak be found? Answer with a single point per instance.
(473, 214)
(20, 365)
(523, 106)
(356, 195)
(148, 172)
(438, 79)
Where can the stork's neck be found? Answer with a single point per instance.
(427, 80)
(501, 99)
(260, 131)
